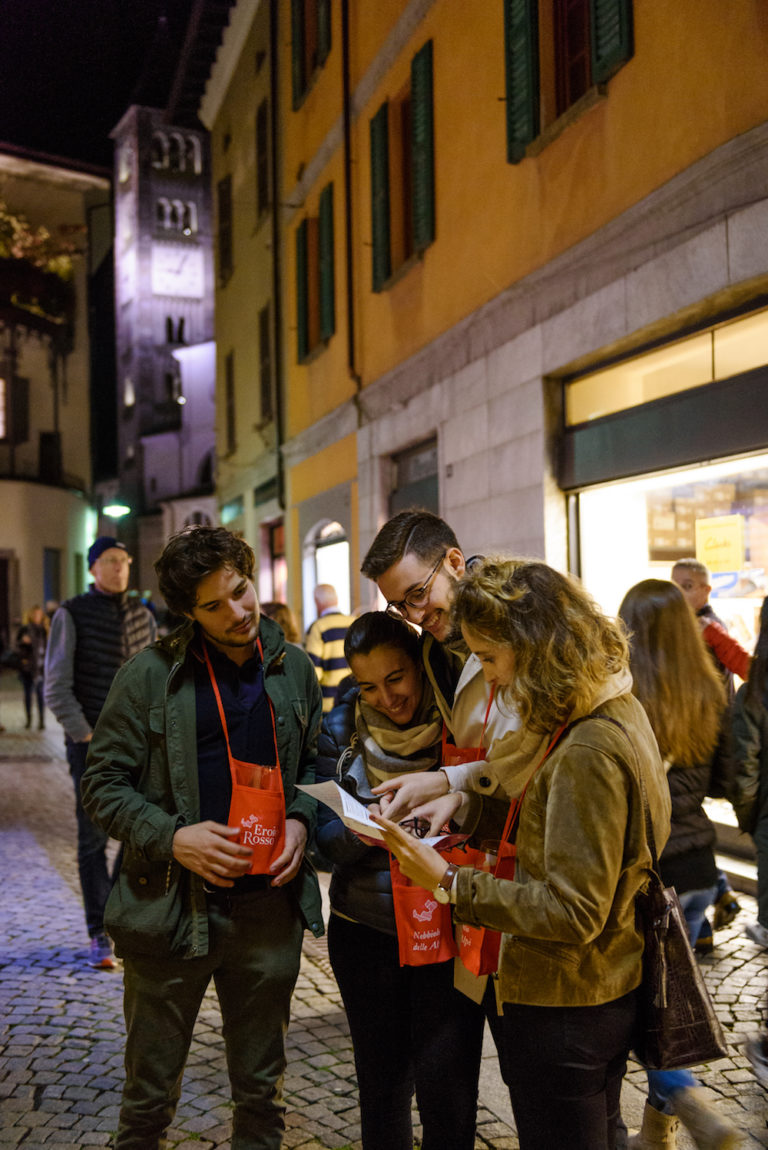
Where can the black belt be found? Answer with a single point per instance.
(227, 896)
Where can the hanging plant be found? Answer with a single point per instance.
(36, 246)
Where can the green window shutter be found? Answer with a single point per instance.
(382, 259)
(423, 148)
(302, 293)
(323, 31)
(521, 43)
(611, 36)
(325, 246)
(297, 52)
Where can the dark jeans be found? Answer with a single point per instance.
(95, 879)
(33, 689)
(411, 1030)
(567, 1064)
(254, 956)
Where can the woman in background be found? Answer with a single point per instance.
(31, 642)
(684, 697)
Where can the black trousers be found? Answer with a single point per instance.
(566, 1067)
(411, 1031)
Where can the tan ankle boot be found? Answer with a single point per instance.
(657, 1132)
(709, 1130)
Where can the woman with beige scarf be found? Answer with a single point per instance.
(411, 1030)
(571, 957)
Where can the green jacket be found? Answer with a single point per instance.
(568, 917)
(141, 784)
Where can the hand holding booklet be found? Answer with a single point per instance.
(354, 814)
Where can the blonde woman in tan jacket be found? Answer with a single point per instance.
(571, 954)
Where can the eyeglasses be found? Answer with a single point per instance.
(416, 598)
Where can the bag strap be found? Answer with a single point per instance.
(479, 748)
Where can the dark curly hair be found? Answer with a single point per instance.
(193, 554)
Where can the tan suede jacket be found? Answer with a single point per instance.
(568, 918)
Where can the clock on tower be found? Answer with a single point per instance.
(177, 270)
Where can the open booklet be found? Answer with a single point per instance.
(355, 815)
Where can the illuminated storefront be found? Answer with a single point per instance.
(665, 456)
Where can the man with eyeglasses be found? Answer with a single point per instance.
(92, 635)
(416, 562)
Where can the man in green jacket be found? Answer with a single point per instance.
(222, 698)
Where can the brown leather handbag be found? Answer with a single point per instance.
(677, 1024)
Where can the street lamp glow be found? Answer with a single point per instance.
(116, 510)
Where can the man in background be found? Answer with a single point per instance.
(325, 642)
(91, 636)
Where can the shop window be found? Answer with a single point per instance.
(402, 173)
(265, 366)
(51, 574)
(229, 403)
(315, 305)
(717, 513)
(557, 52)
(310, 43)
(224, 199)
(262, 158)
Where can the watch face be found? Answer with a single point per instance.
(441, 895)
(177, 270)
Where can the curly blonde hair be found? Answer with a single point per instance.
(564, 648)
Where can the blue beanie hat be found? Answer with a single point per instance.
(100, 545)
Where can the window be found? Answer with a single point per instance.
(310, 43)
(262, 158)
(229, 400)
(557, 51)
(224, 191)
(402, 173)
(316, 317)
(265, 365)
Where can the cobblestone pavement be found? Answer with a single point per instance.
(61, 1029)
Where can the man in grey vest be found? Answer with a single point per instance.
(91, 636)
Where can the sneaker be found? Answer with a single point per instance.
(705, 943)
(754, 1049)
(726, 909)
(758, 933)
(102, 954)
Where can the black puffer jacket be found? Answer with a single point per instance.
(688, 860)
(361, 888)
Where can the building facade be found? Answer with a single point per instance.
(515, 271)
(55, 240)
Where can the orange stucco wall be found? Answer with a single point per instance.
(697, 79)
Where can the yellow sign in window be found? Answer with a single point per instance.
(720, 542)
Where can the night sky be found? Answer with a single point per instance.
(69, 69)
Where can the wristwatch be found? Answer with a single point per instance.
(442, 891)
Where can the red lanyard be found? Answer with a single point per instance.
(222, 716)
